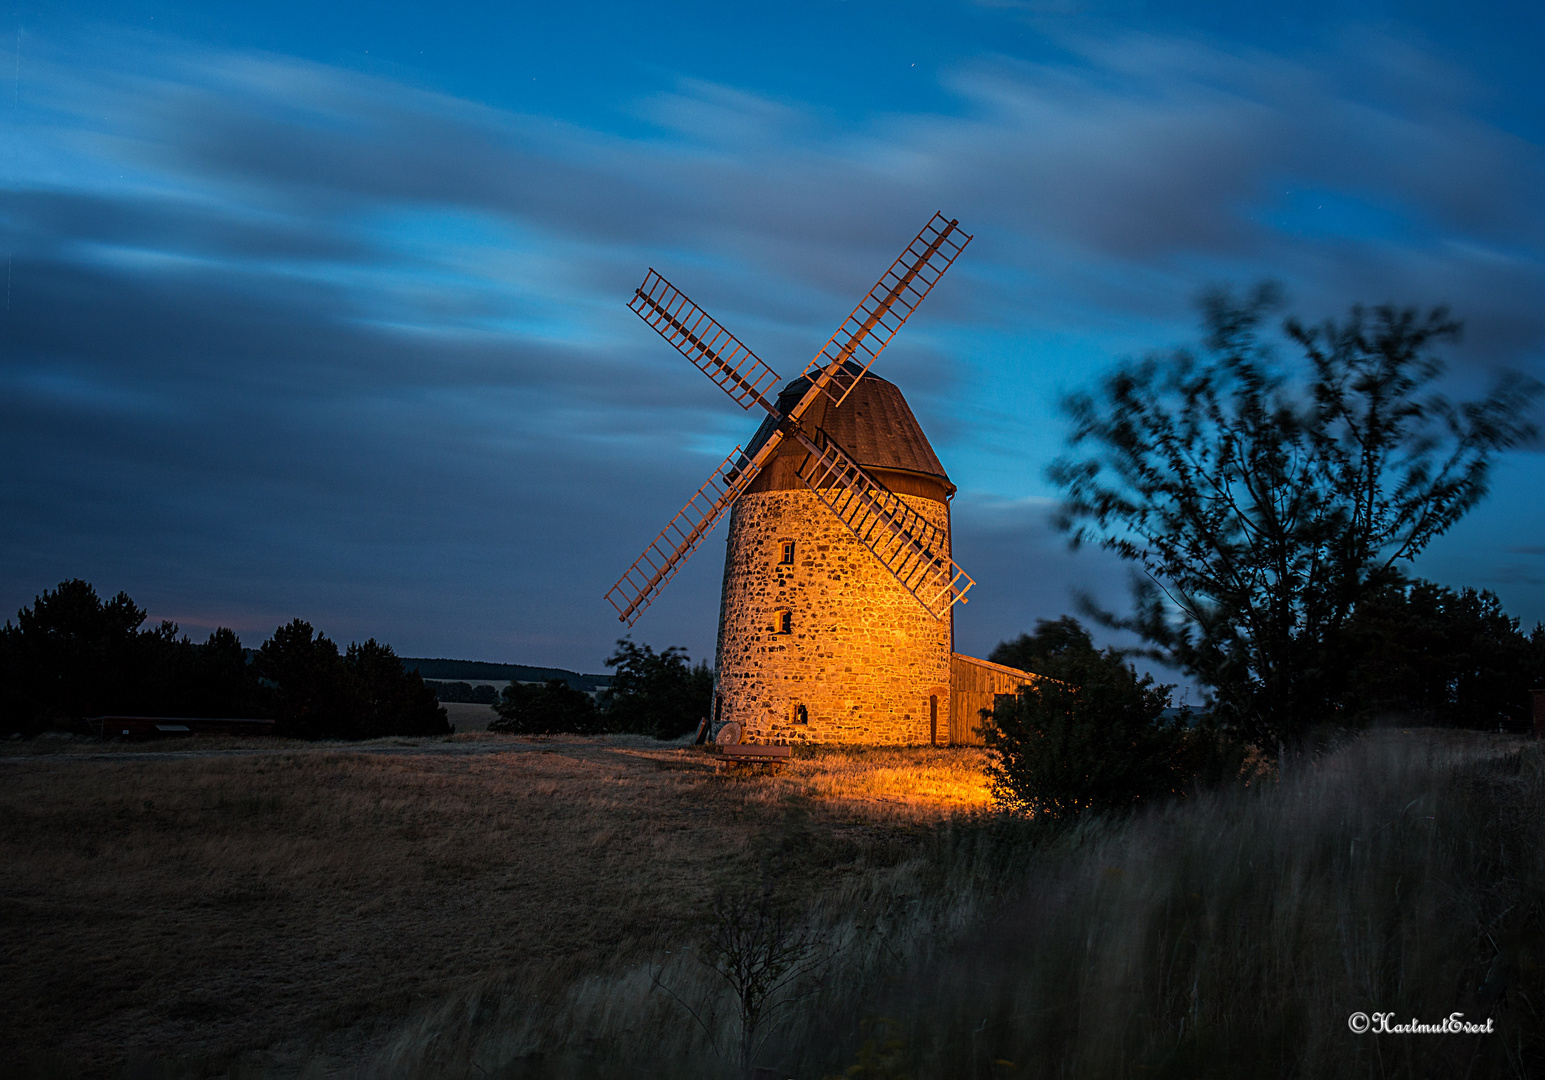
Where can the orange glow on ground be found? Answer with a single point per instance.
(911, 782)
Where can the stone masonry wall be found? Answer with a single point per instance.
(861, 655)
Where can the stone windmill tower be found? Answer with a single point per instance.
(836, 623)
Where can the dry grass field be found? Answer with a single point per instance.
(286, 905)
(489, 906)
(465, 717)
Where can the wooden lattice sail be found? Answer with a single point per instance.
(912, 551)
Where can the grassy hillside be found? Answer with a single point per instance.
(295, 903)
(492, 906)
(1234, 935)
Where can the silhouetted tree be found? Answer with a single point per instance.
(363, 694)
(1263, 508)
(386, 698)
(72, 655)
(1052, 648)
(306, 672)
(550, 709)
(1430, 654)
(659, 694)
(224, 681)
(69, 655)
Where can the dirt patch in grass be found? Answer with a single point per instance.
(198, 900)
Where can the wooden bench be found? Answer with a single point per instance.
(755, 754)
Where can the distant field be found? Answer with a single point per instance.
(468, 717)
(293, 901)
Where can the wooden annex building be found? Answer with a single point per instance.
(974, 686)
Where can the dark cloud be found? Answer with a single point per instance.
(244, 451)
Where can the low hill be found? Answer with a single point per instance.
(482, 670)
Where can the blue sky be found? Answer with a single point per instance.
(321, 313)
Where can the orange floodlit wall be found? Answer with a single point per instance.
(828, 648)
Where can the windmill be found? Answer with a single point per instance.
(812, 644)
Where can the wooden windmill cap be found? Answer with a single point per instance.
(876, 428)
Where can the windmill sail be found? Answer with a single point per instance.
(636, 589)
(913, 549)
(865, 333)
(718, 353)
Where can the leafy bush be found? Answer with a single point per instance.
(1091, 734)
(659, 694)
(1061, 749)
(554, 707)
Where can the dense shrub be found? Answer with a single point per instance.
(1061, 749)
(659, 694)
(1091, 734)
(549, 709)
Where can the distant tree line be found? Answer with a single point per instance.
(463, 693)
(660, 694)
(72, 655)
(440, 669)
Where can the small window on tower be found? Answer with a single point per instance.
(787, 559)
(783, 622)
(802, 716)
